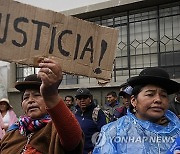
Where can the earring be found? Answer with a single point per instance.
(134, 109)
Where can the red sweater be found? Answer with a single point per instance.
(67, 126)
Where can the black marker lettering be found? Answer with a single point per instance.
(3, 39)
(53, 34)
(16, 22)
(103, 50)
(62, 51)
(77, 46)
(39, 28)
(89, 42)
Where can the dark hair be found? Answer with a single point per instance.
(113, 93)
(136, 90)
(72, 98)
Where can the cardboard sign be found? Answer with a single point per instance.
(82, 48)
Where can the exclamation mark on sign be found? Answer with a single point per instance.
(103, 50)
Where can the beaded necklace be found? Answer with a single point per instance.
(28, 140)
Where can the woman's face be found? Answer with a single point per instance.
(151, 103)
(3, 106)
(33, 104)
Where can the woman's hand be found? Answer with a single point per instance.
(5, 126)
(51, 75)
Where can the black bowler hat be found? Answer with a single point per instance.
(155, 76)
(83, 92)
(30, 82)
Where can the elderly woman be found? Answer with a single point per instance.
(48, 126)
(148, 127)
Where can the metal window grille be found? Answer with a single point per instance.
(148, 37)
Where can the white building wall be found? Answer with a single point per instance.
(4, 67)
(60, 5)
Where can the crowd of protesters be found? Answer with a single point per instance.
(141, 108)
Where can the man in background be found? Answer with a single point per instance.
(69, 101)
(125, 94)
(111, 104)
(89, 120)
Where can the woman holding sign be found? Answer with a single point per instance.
(149, 127)
(46, 126)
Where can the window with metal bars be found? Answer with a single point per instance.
(148, 37)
